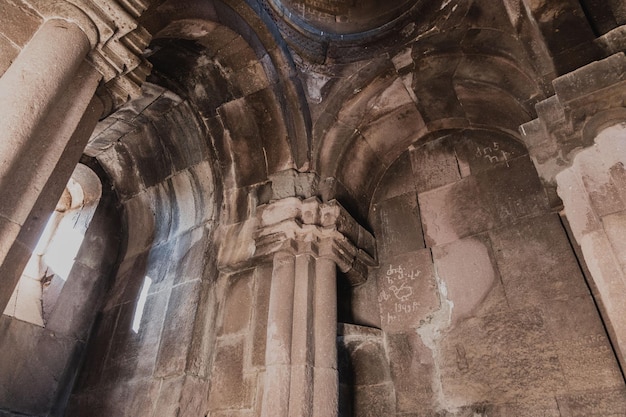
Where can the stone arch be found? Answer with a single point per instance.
(601, 121)
(249, 76)
(466, 232)
(474, 76)
(155, 153)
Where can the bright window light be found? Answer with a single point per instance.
(63, 249)
(141, 303)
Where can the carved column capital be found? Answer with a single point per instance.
(117, 41)
(585, 102)
(297, 226)
(325, 230)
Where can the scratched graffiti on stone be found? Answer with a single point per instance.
(406, 290)
(493, 153)
(397, 291)
(397, 278)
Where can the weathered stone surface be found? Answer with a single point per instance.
(402, 123)
(30, 381)
(188, 248)
(73, 311)
(236, 313)
(478, 203)
(398, 179)
(400, 226)
(261, 308)
(128, 281)
(434, 165)
(19, 23)
(553, 273)
(176, 336)
(168, 401)
(374, 400)
(453, 212)
(594, 403)
(615, 227)
(8, 52)
(242, 137)
(193, 400)
(411, 372)
(104, 328)
(135, 352)
(585, 354)
(230, 389)
(505, 357)
(364, 306)
(362, 362)
(478, 151)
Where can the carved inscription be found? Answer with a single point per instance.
(492, 153)
(406, 290)
(334, 7)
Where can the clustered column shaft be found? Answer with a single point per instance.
(301, 353)
(307, 248)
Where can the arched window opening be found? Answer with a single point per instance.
(51, 262)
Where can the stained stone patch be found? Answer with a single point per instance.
(469, 272)
(453, 212)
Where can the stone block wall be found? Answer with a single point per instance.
(151, 348)
(19, 23)
(483, 305)
(239, 352)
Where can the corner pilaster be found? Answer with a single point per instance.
(577, 145)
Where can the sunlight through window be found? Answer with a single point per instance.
(141, 304)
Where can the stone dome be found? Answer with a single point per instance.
(341, 17)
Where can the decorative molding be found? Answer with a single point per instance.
(298, 226)
(117, 42)
(585, 101)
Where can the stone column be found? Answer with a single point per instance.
(279, 335)
(46, 106)
(32, 84)
(325, 378)
(48, 110)
(307, 241)
(581, 164)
